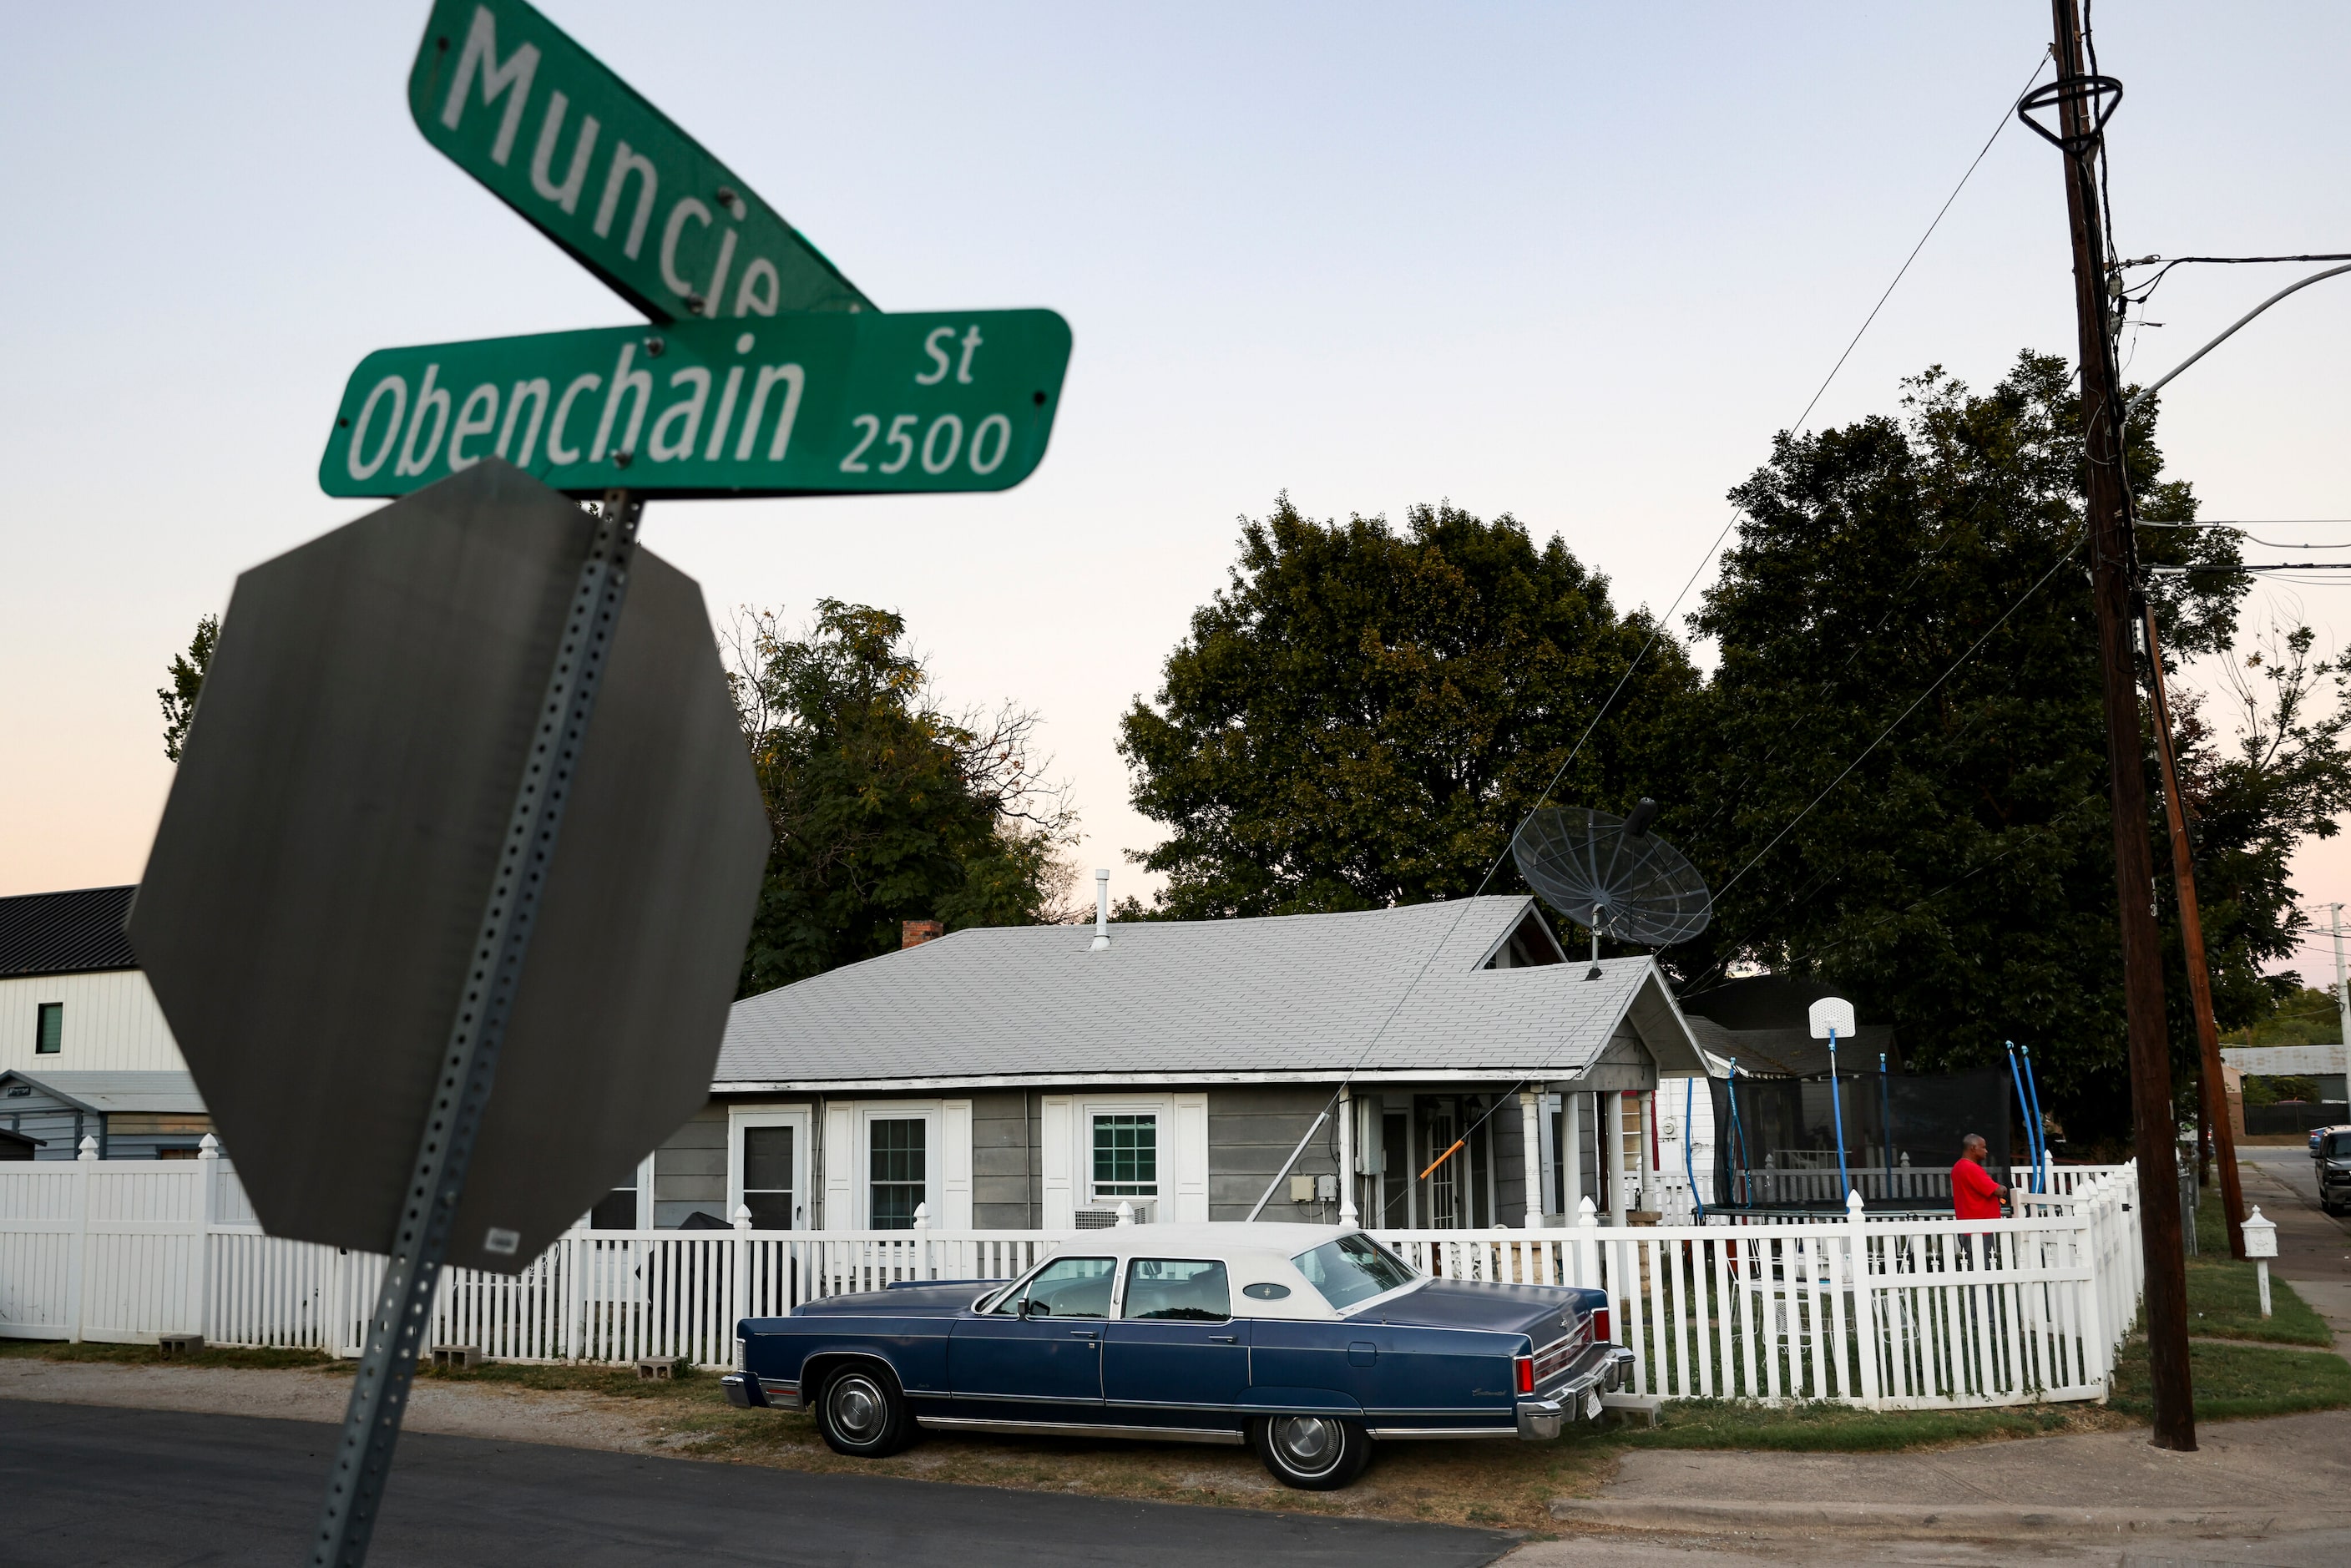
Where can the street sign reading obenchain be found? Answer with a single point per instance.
(579, 153)
(792, 406)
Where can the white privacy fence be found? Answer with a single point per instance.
(1888, 1312)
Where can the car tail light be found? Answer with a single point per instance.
(1600, 1335)
(1526, 1366)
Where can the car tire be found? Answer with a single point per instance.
(860, 1412)
(1312, 1453)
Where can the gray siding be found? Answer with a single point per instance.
(1251, 1130)
(1006, 1176)
(690, 1168)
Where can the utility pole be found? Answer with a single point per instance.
(2215, 1099)
(2154, 1126)
(2341, 991)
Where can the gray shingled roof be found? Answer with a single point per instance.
(1289, 996)
(75, 933)
(169, 1093)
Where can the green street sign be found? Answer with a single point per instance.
(604, 173)
(797, 405)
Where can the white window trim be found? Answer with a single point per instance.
(797, 1117)
(1183, 1147)
(848, 1164)
(1162, 1110)
(862, 1172)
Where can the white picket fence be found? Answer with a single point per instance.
(1894, 1313)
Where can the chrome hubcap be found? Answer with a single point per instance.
(857, 1408)
(1309, 1443)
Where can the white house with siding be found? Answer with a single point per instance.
(84, 1050)
(1042, 1076)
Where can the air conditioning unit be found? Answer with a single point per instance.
(1104, 1215)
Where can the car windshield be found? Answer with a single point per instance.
(1352, 1269)
(2338, 1146)
(1065, 1288)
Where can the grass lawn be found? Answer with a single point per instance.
(2239, 1380)
(2225, 1297)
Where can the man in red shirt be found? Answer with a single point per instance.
(1974, 1194)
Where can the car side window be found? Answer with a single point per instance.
(1181, 1289)
(1065, 1288)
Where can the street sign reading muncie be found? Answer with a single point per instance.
(579, 153)
(797, 405)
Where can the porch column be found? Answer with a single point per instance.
(1646, 1154)
(1611, 1132)
(1571, 1201)
(1346, 1157)
(1530, 1139)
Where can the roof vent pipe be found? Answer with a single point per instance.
(1102, 910)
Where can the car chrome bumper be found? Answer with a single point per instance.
(1579, 1395)
(746, 1392)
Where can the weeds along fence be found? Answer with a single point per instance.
(1894, 1313)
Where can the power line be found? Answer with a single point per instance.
(1656, 630)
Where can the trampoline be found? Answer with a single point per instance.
(1777, 1151)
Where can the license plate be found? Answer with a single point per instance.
(1592, 1406)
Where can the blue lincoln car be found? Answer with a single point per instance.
(1304, 1342)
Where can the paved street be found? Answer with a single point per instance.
(88, 1486)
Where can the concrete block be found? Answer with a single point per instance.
(458, 1355)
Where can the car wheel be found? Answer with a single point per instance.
(1312, 1453)
(862, 1414)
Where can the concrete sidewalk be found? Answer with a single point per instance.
(2249, 1477)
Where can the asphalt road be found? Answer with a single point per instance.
(88, 1486)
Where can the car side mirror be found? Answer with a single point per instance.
(1024, 1309)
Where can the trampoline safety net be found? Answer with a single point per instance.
(1776, 1146)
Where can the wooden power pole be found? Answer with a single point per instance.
(2191, 948)
(2154, 1126)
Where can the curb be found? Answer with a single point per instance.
(1922, 1521)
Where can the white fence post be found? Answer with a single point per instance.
(1587, 1246)
(1865, 1298)
(200, 1268)
(742, 1271)
(85, 1162)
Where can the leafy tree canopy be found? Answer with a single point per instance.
(186, 673)
(1361, 718)
(884, 809)
(1961, 876)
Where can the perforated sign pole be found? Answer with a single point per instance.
(403, 1306)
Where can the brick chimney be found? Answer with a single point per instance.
(914, 933)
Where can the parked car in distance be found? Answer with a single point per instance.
(1306, 1343)
(2318, 1137)
(2334, 1170)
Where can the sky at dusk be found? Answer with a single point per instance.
(1573, 263)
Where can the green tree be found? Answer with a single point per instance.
(1959, 878)
(187, 676)
(884, 807)
(1361, 718)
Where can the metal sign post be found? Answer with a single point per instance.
(469, 1067)
(313, 919)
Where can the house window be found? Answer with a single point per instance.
(1126, 1155)
(49, 1033)
(771, 1167)
(616, 1210)
(898, 1151)
(623, 1207)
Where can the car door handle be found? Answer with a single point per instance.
(1086, 1333)
(1225, 1338)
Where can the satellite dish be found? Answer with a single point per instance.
(1612, 874)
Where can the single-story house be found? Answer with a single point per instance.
(1046, 1076)
(132, 1116)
